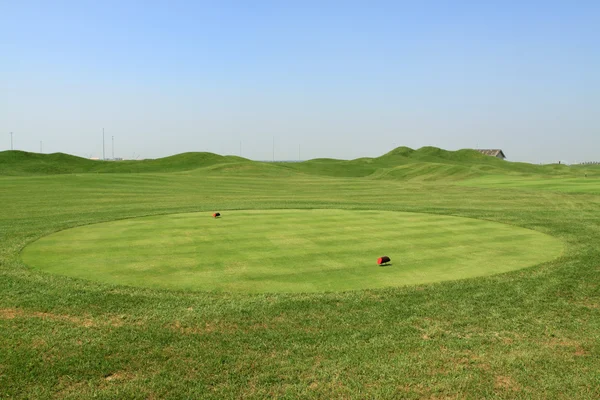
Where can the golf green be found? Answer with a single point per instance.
(289, 250)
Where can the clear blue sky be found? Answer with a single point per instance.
(341, 79)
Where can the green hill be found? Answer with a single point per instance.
(432, 163)
(25, 163)
(402, 163)
(14, 162)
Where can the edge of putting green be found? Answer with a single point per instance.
(558, 250)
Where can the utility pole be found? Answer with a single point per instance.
(11, 140)
(103, 157)
(113, 148)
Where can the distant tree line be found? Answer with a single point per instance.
(590, 163)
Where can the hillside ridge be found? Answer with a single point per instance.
(16, 162)
(402, 163)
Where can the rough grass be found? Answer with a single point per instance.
(288, 250)
(531, 333)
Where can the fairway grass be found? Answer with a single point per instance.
(289, 250)
(531, 333)
(589, 185)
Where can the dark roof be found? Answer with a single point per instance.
(492, 152)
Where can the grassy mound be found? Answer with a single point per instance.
(432, 164)
(402, 163)
(14, 162)
(25, 163)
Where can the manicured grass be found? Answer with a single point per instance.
(289, 250)
(571, 185)
(532, 333)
